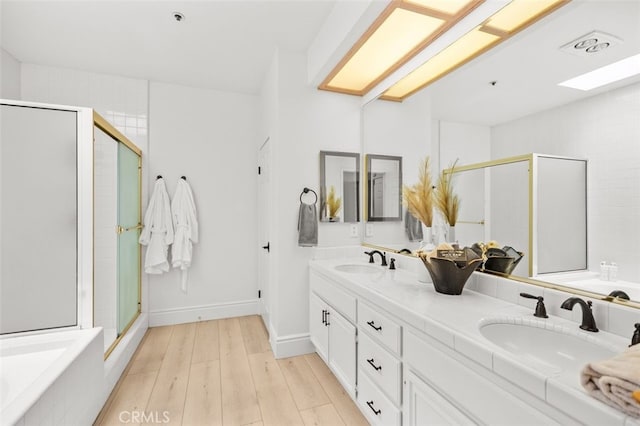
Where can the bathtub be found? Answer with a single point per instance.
(53, 378)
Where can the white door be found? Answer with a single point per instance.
(317, 325)
(264, 209)
(342, 350)
(425, 406)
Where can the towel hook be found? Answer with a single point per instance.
(306, 191)
(183, 177)
(158, 177)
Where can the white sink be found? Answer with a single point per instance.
(359, 269)
(559, 350)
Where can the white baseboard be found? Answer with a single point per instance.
(203, 313)
(292, 345)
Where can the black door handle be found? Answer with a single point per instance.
(326, 321)
(377, 367)
(376, 412)
(324, 312)
(267, 248)
(373, 325)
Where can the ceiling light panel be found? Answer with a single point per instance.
(519, 13)
(450, 7)
(508, 21)
(400, 33)
(608, 74)
(404, 29)
(465, 48)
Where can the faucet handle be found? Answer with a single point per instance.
(636, 335)
(541, 311)
(392, 263)
(384, 259)
(370, 253)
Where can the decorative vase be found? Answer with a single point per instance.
(451, 234)
(449, 276)
(426, 245)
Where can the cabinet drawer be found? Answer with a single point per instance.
(380, 326)
(338, 299)
(382, 367)
(377, 408)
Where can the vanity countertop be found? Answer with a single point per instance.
(455, 321)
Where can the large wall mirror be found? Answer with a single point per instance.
(508, 103)
(339, 186)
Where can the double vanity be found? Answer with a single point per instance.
(408, 355)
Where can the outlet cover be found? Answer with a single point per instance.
(353, 230)
(368, 230)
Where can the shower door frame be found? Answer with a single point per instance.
(102, 124)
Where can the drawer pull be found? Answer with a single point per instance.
(324, 312)
(377, 367)
(326, 321)
(373, 325)
(376, 412)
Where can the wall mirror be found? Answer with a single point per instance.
(339, 186)
(505, 104)
(384, 188)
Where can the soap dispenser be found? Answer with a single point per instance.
(636, 335)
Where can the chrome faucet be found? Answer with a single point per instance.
(383, 256)
(588, 322)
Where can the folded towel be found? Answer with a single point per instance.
(307, 225)
(413, 227)
(614, 381)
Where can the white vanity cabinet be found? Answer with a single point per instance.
(332, 333)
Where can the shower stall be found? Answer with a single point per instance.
(70, 217)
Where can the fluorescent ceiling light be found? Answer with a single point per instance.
(400, 32)
(611, 73)
(511, 19)
(458, 52)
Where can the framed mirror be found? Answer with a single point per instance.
(339, 186)
(384, 188)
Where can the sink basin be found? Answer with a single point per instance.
(359, 269)
(557, 350)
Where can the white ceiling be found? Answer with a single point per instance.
(224, 45)
(529, 66)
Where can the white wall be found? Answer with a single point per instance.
(9, 76)
(209, 137)
(399, 129)
(305, 122)
(605, 130)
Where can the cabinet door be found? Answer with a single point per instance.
(342, 350)
(425, 406)
(317, 328)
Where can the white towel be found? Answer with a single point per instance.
(613, 380)
(183, 211)
(157, 233)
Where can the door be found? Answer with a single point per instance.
(425, 406)
(128, 233)
(342, 350)
(264, 207)
(317, 326)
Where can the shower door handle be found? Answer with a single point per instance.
(122, 229)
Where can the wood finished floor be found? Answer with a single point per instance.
(223, 372)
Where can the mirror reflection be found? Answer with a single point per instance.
(339, 186)
(507, 103)
(384, 188)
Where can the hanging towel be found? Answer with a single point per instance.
(613, 381)
(412, 226)
(183, 211)
(157, 233)
(307, 225)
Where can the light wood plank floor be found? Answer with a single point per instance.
(223, 372)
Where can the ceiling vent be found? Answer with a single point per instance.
(590, 44)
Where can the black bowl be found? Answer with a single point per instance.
(448, 276)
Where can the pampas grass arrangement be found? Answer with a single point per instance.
(419, 197)
(333, 203)
(446, 201)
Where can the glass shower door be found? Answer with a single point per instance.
(128, 233)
